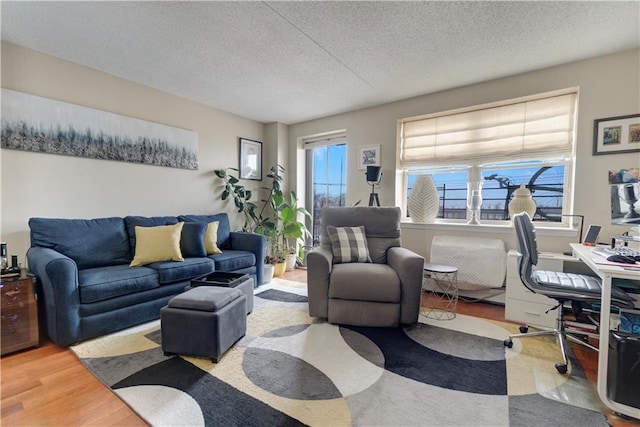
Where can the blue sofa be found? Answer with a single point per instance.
(87, 288)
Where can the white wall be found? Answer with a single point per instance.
(36, 184)
(47, 185)
(609, 86)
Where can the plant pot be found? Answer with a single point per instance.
(268, 273)
(279, 269)
(291, 262)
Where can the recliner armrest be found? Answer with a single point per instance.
(410, 269)
(319, 265)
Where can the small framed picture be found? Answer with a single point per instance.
(615, 135)
(368, 156)
(250, 159)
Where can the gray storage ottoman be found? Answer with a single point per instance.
(242, 282)
(204, 321)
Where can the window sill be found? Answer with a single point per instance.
(502, 227)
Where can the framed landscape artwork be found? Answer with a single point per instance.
(368, 156)
(43, 125)
(250, 159)
(615, 135)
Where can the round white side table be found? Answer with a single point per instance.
(440, 286)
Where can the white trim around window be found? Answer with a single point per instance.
(538, 130)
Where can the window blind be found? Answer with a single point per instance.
(334, 139)
(540, 128)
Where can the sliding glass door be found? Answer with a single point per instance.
(326, 178)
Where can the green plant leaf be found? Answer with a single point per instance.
(220, 173)
(225, 194)
(233, 179)
(304, 212)
(288, 214)
(277, 199)
(292, 231)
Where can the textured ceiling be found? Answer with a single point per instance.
(295, 61)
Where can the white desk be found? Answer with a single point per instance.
(606, 273)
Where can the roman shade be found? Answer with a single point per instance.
(336, 138)
(518, 129)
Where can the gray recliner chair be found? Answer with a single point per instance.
(384, 292)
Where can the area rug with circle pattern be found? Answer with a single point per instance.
(291, 369)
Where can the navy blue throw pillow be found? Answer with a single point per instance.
(192, 239)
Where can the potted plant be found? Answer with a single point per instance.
(279, 258)
(255, 221)
(291, 232)
(269, 268)
(276, 219)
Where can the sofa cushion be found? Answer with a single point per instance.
(155, 244)
(190, 268)
(223, 226)
(89, 242)
(348, 244)
(365, 282)
(192, 240)
(233, 260)
(211, 238)
(145, 221)
(97, 284)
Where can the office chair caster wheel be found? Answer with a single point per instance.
(508, 343)
(524, 329)
(561, 367)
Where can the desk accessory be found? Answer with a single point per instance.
(592, 235)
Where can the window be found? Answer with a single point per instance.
(497, 147)
(326, 165)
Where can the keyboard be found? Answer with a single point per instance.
(607, 252)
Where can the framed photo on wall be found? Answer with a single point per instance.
(368, 156)
(250, 159)
(615, 135)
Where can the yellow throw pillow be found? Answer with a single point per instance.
(211, 238)
(155, 244)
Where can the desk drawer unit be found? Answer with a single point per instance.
(522, 305)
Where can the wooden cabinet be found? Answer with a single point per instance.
(19, 313)
(522, 305)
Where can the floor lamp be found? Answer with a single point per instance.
(374, 175)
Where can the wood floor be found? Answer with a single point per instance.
(48, 386)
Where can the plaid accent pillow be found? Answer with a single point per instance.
(349, 244)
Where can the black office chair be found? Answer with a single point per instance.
(563, 287)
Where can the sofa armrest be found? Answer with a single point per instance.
(319, 265)
(57, 283)
(251, 242)
(410, 269)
